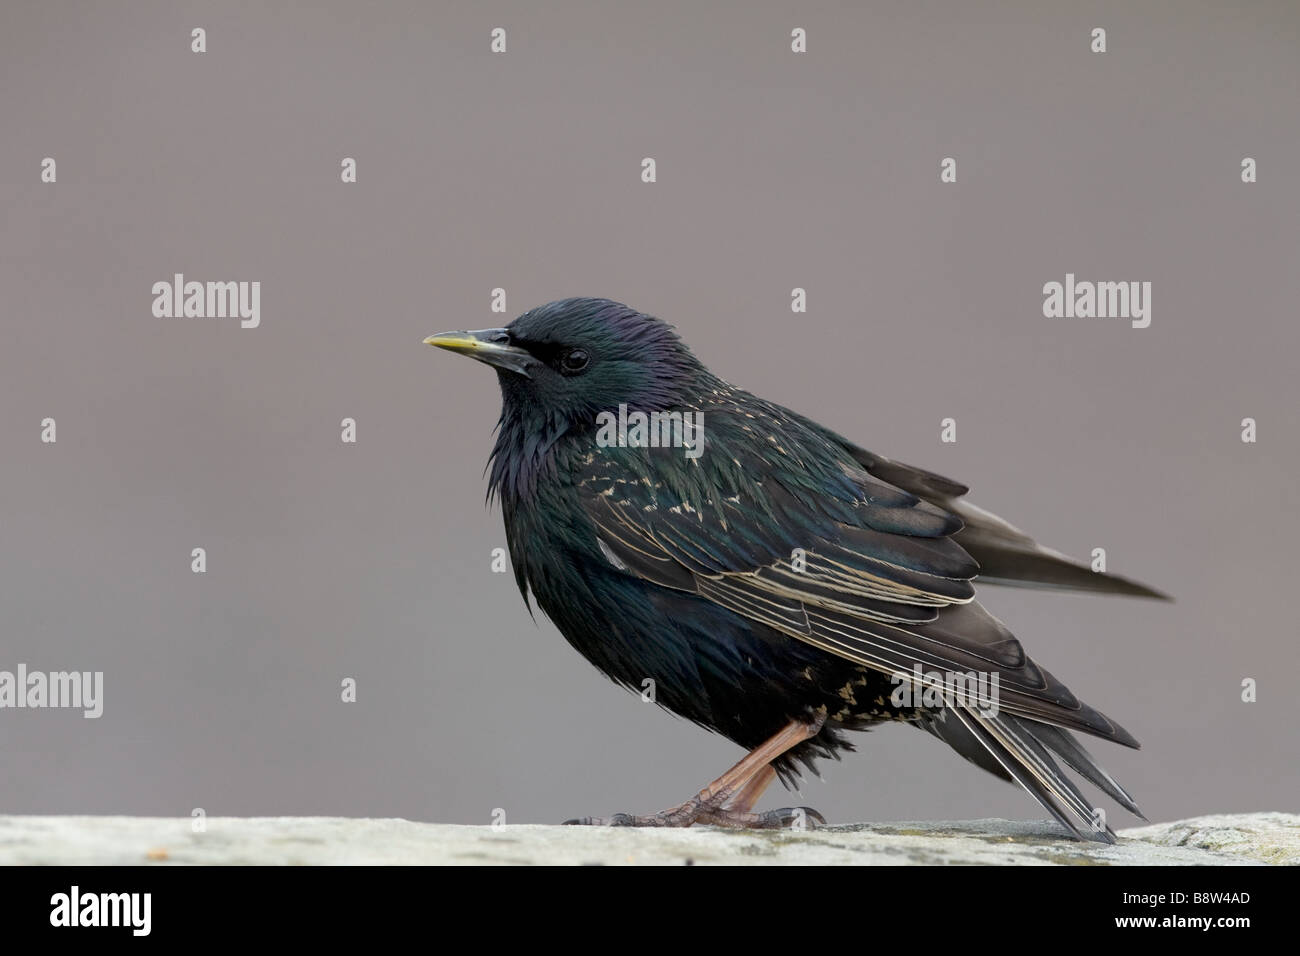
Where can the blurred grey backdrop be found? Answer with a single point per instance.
(522, 171)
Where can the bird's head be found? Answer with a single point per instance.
(567, 361)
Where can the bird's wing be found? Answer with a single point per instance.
(1006, 555)
(811, 544)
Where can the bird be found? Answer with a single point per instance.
(777, 583)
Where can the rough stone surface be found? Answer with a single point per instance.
(1214, 840)
(1267, 837)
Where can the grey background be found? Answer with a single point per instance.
(522, 171)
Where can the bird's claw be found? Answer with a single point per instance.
(617, 820)
(796, 818)
(786, 818)
(676, 817)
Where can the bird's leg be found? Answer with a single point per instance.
(745, 781)
(739, 812)
(749, 795)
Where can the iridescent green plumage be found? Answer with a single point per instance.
(781, 571)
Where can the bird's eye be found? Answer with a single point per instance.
(574, 361)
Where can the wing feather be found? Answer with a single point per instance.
(889, 600)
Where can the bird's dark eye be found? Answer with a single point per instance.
(574, 361)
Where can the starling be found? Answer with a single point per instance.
(780, 585)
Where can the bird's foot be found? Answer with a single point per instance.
(712, 812)
(664, 818)
(729, 800)
(787, 818)
(679, 816)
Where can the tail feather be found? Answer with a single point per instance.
(1068, 748)
(1016, 749)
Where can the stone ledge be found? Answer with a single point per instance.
(1240, 839)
